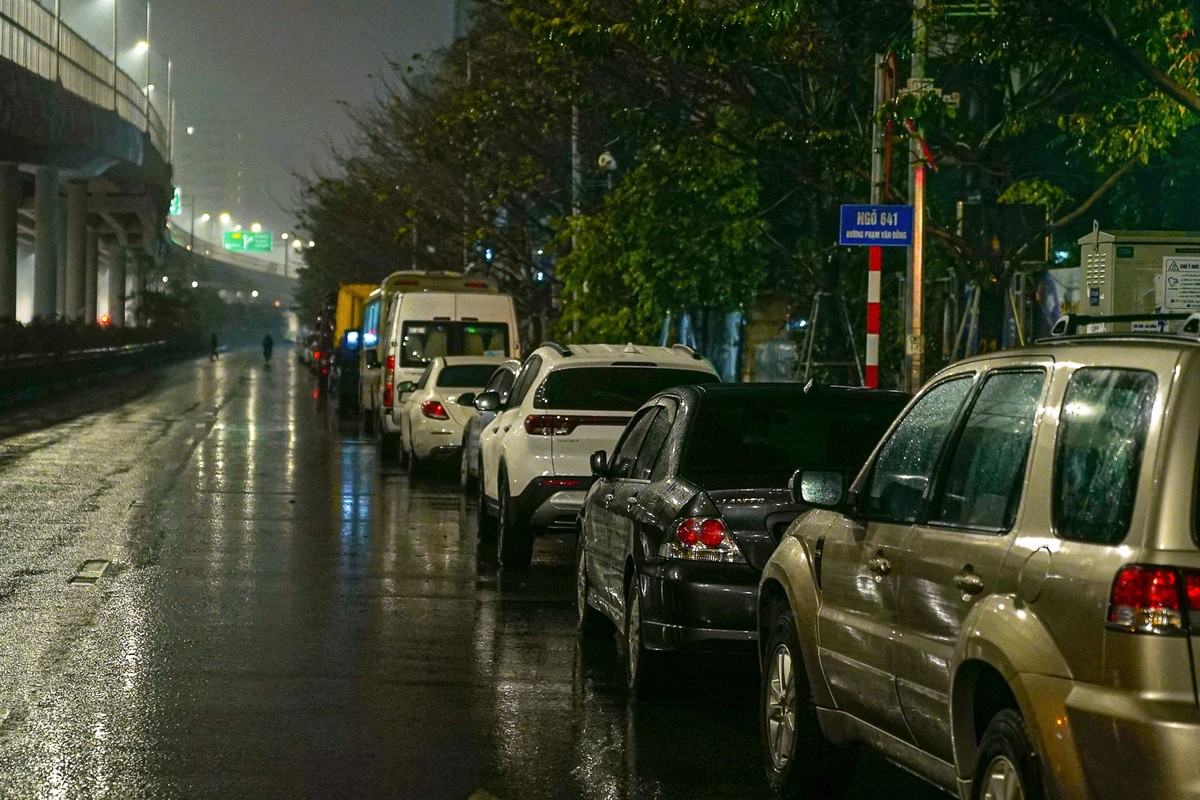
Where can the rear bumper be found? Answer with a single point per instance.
(1130, 746)
(438, 438)
(691, 605)
(548, 504)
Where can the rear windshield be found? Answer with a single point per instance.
(742, 440)
(465, 376)
(611, 388)
(429, 339)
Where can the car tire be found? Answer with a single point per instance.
(487, 523)
(416, 465)
(514, 545)
(389, 447)
(799, 760)
(464, 470)
(1008, 765)
(641, 664)
(588, 620)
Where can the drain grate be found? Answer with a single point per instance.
(89, 573)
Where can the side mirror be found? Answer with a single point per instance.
(371, 358)
(818, 488)
(405, 387)
(466, 399)
(599, 463)
(488, 401)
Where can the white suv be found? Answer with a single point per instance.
(566, 403)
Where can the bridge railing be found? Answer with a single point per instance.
(31, 38)
(218, 253)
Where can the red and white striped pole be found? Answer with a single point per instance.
(874, 280)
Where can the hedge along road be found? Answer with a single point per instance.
(212, 590)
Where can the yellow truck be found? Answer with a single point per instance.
(344, 344)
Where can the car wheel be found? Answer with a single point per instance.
(514, 549)
(641, 664)
(487, 523)
(799, 760)
(588, 620)
(415, 464)
(1007, 768)
(464, 470)
(389, 447)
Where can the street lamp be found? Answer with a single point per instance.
(295, 244)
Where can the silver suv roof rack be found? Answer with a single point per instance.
(1069, 324)
(686, 349)
(565, 352)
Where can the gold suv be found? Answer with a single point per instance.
(1005, 601)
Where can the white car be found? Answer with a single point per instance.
(431, 419)
(566, 403)
(501, 383)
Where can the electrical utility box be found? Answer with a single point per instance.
(1139, 272)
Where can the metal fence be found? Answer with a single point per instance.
(31, 37)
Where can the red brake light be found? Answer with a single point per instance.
(561, 483)
(688, 532)
(317, 355)
(1149, 599)
(712, 533)
(389, 382)
(434, 410)
(560, 425)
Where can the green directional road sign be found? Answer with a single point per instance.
(248, 242)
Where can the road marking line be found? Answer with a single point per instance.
(90, 572)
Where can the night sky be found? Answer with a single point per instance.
(271, 70)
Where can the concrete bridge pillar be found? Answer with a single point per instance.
(116, 284)
(75, 264)
(10, 201)
(61, 253)
(45, 248)
(92, 279)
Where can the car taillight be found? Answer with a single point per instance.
(701, 539)
(317, 355)
(1153, 599)
(434, 410)
(562, 425)
(389, 381)
(561, 483)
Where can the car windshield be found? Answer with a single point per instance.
(465, 376)
(427, 340)
(611, 388)
(742, 440)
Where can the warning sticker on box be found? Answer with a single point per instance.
(1181, 283)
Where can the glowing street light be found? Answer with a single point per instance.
(226, 219)
(256, 227)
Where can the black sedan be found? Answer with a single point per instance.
(693, 501)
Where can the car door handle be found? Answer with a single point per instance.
(879, 565)
(968, 581)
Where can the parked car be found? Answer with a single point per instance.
(683, 515)
(423, 315)
(1005, 600)
(431, 419)
(500, 382)
(566, 403)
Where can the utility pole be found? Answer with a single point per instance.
(576, 182)
(914, 346)
(875, 252)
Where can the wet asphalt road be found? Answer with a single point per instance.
(280, 617)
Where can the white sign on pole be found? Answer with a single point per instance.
(1181, 283)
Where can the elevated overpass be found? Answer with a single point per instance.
(85, 178)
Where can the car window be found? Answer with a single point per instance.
(1102, 433)
(424, 379)
(611, 388)
(983, 483)
(464, 376)
(656, 436)
(759, 438)
(423, 340)
(905, 464)
(524, 381)
(505, 384)
(625, 453)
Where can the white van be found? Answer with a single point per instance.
(424, 315)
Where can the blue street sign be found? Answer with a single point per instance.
(880, 226)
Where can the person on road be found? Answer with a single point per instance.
(268, 345)
(212, 348)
